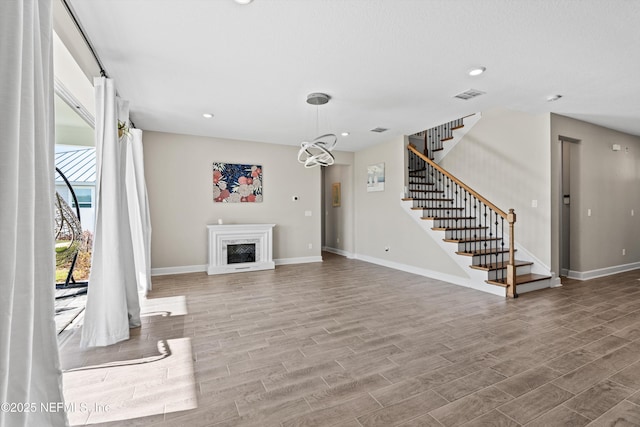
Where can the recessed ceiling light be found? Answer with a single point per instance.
(553, 98)
(207, 115)
(345, 134)
(243, 1)
(477, 71)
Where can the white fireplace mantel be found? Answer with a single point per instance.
(222, 235)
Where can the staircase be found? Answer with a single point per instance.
(470, 224)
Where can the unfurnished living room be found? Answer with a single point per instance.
(319, 213)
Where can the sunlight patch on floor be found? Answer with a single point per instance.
(127, 389)
(165, 306)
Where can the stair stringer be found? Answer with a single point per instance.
(458, 134)
(476, 278)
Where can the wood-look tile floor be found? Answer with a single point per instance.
(348, 343)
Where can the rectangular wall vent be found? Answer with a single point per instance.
(468, 94)
(379, 130)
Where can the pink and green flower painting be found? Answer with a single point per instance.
(234, 183)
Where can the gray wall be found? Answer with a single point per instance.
(178, 170)
(605, 181)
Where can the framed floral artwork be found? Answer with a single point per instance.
(235, 183)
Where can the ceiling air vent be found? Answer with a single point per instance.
(379, 130)
(468, 94)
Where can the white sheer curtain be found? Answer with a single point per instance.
(112, 300)
(29, 365)
(139, 211)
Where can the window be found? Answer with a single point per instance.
(84, 197)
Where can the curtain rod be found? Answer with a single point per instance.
(103, 73)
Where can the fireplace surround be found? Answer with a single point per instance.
(235, 248)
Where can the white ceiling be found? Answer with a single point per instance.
(389, 63)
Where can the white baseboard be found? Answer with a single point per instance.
(602, 272)
(456, 280)
(336, 251)
(298, 260)
(163, 271)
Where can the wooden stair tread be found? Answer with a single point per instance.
(447, 139)
(500, 265)
(419, 208)
(521, 279)
(472, 239)
(406, 199)
(457, 228)
(434, 218)
(435, 199)
(428, 200)
(452, 208)
(457, 127)
(490, 251)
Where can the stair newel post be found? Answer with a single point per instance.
(511, 267)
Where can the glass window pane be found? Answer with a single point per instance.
(84, 197)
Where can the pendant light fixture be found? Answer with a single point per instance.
(318, 151)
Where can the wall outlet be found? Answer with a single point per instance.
(588, 212)
(534, 203)
(310, 246)
(624, 252)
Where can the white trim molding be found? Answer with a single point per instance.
(64, 94)
(602, 272)
(341, 252)
(183, 269)
(298, 260)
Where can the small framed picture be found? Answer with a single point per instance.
(375, 177)
(335, 194)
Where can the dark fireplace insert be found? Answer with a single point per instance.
(244, 252)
